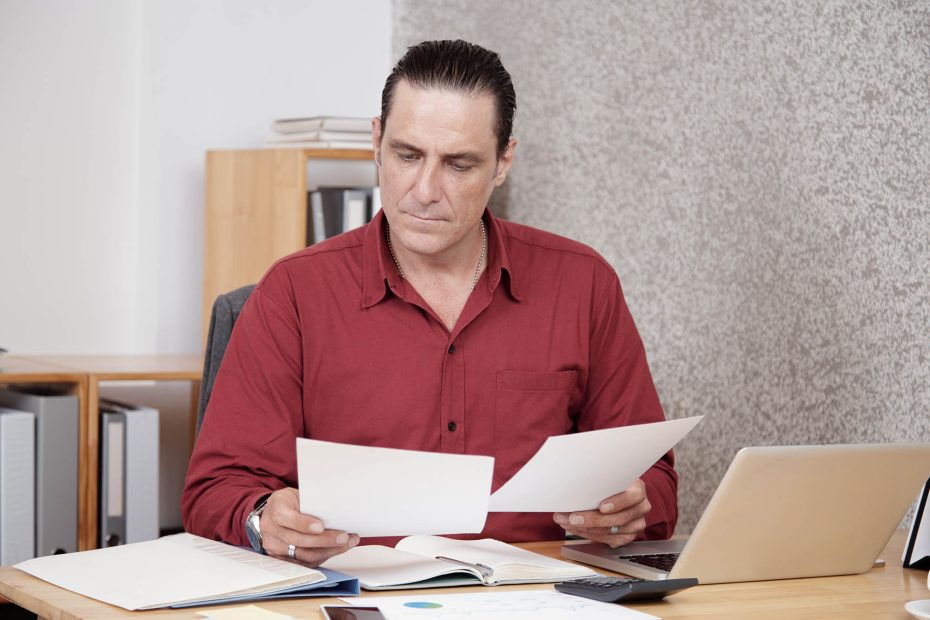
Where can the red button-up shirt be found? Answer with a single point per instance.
(334, 345)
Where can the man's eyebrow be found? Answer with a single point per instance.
(465, 156)
(399, 145)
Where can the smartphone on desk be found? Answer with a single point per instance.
(351, 612)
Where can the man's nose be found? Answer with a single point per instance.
(428, 188)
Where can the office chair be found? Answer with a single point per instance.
(223, 316)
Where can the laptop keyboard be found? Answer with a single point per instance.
(662, 561)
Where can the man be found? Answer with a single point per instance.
(435, 327)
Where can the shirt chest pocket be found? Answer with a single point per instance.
(528, 408)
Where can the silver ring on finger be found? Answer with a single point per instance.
(292, 552)
(614, 530)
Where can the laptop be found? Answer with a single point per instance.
(783, 512)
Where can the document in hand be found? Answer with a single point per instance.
(389, 492)
(578, 471)
(435, 562)
(183, 571)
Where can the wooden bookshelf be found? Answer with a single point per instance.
(255, 213)
(81, 375)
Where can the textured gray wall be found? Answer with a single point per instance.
(758, 174)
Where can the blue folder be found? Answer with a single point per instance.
(336, 584)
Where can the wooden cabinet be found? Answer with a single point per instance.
(81, 375)
(256, 212)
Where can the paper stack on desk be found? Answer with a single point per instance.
(183, 570)
(389, 492)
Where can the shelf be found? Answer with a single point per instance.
(83, 374)
(255, 213)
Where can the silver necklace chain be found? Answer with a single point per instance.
(481, 259)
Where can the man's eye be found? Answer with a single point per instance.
(407, 156)
(459, 167)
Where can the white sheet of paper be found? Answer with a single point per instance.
(245, 612)
(388, 492)
(578, 471)
(497, 605)
(157, 573)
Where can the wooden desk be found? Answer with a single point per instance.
(879, 593)
(83, 374)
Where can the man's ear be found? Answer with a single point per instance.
(504, 162)
(376, 138)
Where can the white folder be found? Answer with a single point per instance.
(56, 465)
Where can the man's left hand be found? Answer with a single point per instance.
(619, 519)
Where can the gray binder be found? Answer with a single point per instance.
(172, 399)
(112, 487)
(335, 210)
(17, 486)
(129, 473)
(56, 465)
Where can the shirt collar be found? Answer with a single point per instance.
(380, 274)
(499, 257)
(376, 277)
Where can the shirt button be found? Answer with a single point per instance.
(451, 350)
(452, 426)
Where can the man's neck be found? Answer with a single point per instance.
(457, 263)
(445, 283)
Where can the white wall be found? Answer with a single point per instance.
(106, 110)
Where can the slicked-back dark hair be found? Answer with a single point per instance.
(461, 67)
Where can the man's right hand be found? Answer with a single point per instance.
(283, 524)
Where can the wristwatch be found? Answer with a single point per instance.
(252, 530)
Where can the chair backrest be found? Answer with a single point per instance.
(225, 311)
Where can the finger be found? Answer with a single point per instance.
(334, 540)
(283, 508)
(579, 518)
(604, 536)
(633, 494)
(633, 527)
(314, 556)
(624, 535)
(297, 521)
(277, 541)
(282, 524)
(592, 518)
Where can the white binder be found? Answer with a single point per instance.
(56, 465)
(129, 473)
(17, 486)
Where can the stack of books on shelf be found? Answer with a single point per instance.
(321, 132)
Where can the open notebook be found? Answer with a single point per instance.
(435, 561)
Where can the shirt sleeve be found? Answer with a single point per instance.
(246, 445)
(620, 392)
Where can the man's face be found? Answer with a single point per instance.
(438, 167)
